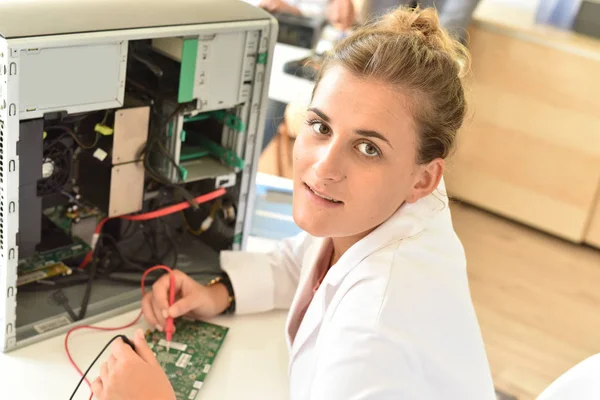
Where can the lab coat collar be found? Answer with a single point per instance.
(409, 220)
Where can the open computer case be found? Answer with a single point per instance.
(116, 117)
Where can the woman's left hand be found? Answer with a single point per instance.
(132, 375)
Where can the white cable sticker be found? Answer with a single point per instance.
(206, 368)
(100, 154)
(198, 385)
(174, 345)
(94, 242)
(193, 394)
(52, 324)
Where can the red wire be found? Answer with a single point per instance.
(99, 328)
(141, 217)
(152, 215)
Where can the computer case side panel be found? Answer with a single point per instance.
(9, 192)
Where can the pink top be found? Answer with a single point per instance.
(306, 296)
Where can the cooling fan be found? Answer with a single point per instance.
(56, 165)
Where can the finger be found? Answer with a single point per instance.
(104, 372)
(147, 309)
(122, 351)
(160, 292)
(97, 388)
(112, 361)
(142, 348)
(159, 313)
(182, 306)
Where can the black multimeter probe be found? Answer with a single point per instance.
(123, 337)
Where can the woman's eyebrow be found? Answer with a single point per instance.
(320, 113)
(373, 134)
(362, 132)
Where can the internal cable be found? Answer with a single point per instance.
(150, 215)
(71, 133)
(207, 223)
(146, 151)
(90, 257)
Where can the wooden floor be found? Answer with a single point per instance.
(537, 299)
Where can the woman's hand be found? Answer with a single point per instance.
(132, 375)
(192, 300)
(340, 14)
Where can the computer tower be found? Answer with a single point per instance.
(111, 110)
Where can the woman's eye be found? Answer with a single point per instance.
(320, 128)
(368, 149)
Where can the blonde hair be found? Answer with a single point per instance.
(409, 49)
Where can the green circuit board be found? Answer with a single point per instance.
(193, 350)
(42, 260)
(78, 248)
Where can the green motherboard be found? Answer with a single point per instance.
(78, 248)
(193, 350)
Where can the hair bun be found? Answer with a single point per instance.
(425, 25)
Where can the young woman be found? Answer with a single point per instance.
(376, 284)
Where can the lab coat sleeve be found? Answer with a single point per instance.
(265, 281)
(361, 359)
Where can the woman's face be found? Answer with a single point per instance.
(355, 157)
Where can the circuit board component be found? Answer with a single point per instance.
(67, 246)
(43, 273)
(193, 350)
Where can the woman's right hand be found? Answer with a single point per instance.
(191, 299)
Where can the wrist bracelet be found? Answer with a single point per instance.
(224, 279)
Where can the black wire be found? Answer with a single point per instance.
(125, 339)
(126, 231)
(72, 133)
(59, 298)
(88, 288)
(173, 245)
(138, 266)
(147, 149)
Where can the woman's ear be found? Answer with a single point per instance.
(427, 177)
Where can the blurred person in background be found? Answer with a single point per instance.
(455, 15)
(307, 8)
(343, 15)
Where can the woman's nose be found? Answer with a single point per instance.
(329, 165)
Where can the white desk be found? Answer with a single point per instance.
(284, 87)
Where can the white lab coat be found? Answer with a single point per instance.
(392, 319)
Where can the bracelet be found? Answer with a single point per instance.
(224, 279)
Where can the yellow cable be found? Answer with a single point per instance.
(198, 231)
